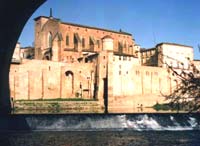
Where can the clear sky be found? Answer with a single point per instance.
(149, 21)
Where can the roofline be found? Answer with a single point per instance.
(90, 27)
(167, 43)
(146, 50)
(46, 18)
(40, 17)
(123, 54)
(107, 37)
(27, 47)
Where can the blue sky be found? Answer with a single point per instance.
(149, 21)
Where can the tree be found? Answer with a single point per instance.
(186, 96)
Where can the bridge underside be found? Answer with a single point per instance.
(14, 15)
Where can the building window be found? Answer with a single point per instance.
(98, 43)
(124, 58)
(125, 45)
(67, 40)
(119, 57)
(120, 47)
(83, 42)
(137, 72)
(91, 43)
(104, 57)
(120, 72)
(49, 40)
(75, 42)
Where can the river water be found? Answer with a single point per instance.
(101, 130)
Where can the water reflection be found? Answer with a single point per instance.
(100, 138)
(138, 110)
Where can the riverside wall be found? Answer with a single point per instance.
(37, 79)
(138, 86)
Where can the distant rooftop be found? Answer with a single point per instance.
(167, 43)
(146, 50)
(90, 27)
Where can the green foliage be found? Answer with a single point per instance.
(164, 107)
(60, 99)
(186, 94)
(172, 107)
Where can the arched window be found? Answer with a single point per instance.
(67, 73)
(70, 81)
(98, 43)
(92, 43)
(67, 40)
(120, 47)
(124, 44)
(49, 40)
(83, 42)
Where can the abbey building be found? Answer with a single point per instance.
(103, 66)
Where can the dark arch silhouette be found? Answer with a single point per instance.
(67, 73)
(14, 15)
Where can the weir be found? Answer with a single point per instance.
(101, 122)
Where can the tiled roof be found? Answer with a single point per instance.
(90, 27)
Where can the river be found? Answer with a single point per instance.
(101, 130)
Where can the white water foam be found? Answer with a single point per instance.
(144, 122)
(116, 122)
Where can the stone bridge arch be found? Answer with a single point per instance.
(14, 15)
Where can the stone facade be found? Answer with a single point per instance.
(105, 66)
(175, 55)
(60, 41)
(149, 57)
(27, 52)
(45, 79)
(16, 58)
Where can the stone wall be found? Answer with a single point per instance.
(138, 86)
(36, 79)
(126, 84)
